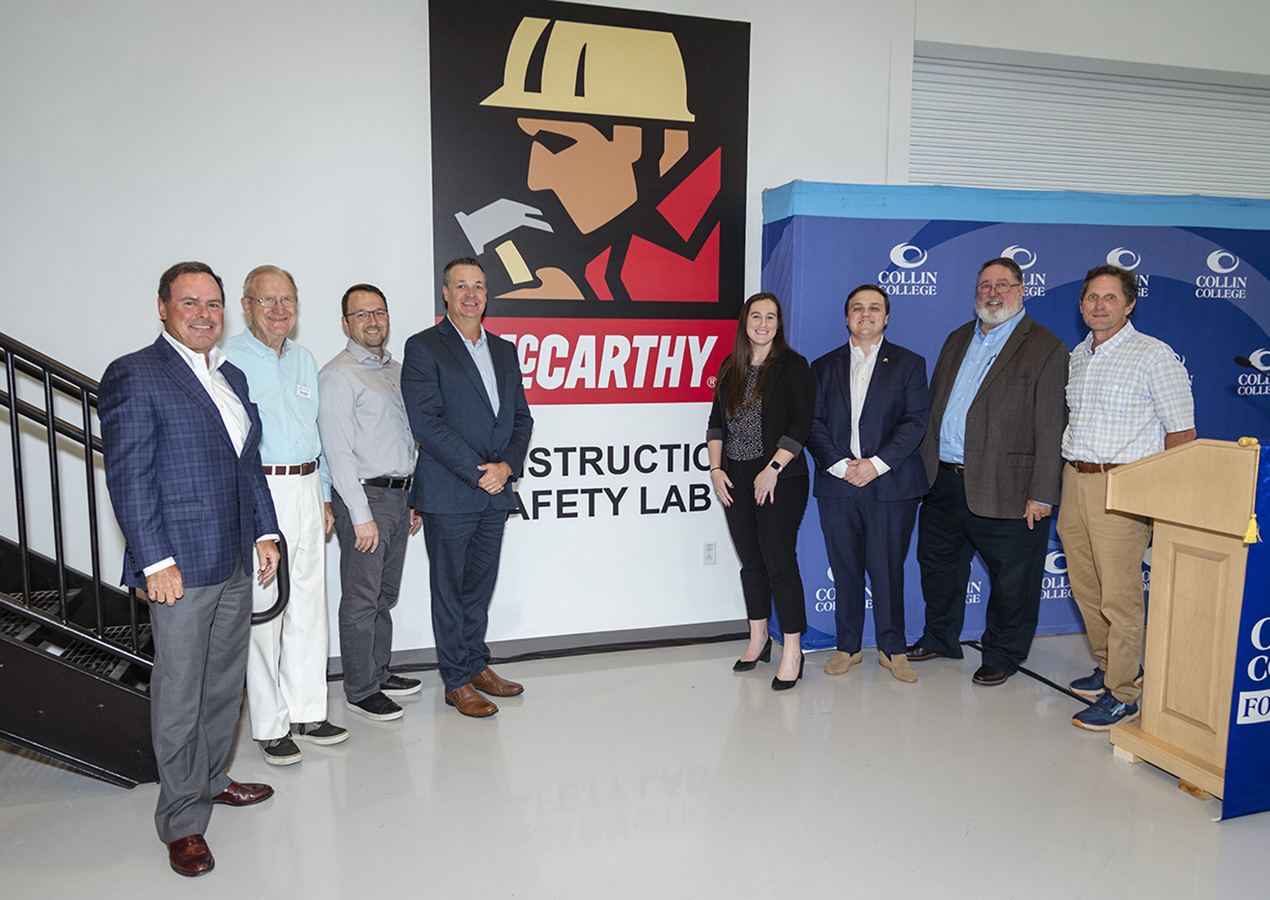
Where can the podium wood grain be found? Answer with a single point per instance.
(1201, 498)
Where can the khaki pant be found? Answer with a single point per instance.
(1104, 553)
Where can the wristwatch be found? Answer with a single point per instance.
(775, 465)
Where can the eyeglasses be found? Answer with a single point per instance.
(363, 314)
(1000, 287)
(271, 302)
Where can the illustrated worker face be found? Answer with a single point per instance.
(998, 296)
(464, 293)
(867, 315)
(592, 175)
(272, 305)
(194, 314)
(593, 73)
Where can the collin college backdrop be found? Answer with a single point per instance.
(1201, 263)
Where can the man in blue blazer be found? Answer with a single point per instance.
(181, 444)
(466, 402)
(866, 437)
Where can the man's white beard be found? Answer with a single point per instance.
(994, 317)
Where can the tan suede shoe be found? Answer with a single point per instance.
(841, 661)
(901, 668)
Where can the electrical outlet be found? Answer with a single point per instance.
(707, 553)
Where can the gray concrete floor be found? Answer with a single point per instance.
(660, 773)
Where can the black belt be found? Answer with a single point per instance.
(307, 468)
(397, 484)
(956, 468)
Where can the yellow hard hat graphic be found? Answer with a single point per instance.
(597, 70)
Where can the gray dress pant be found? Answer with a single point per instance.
(196, 695)
(369, 585)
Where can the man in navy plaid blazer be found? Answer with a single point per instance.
(181, 443)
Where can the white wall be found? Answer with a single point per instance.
(134, 133)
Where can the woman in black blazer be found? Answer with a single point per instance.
(763, 403)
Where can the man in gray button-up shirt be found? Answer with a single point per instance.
(371, 454)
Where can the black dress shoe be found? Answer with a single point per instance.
(989, 675)
(778, 685)
(744, 665)
(917, 653)
(190, 856)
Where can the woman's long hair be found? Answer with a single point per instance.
(736, 367)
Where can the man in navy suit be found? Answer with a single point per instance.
(181, 444)
(866, 437)
(466, 401)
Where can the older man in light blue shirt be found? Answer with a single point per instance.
(992, 458)
(286, 665)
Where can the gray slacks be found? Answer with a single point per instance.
(196, 695)
(369, 585)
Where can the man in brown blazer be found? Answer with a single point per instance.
(997, 412)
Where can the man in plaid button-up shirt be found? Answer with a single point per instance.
(1128, 397)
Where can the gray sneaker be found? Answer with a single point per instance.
(319, 732)
(281, 751)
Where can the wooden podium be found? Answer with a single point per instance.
(1201, 496)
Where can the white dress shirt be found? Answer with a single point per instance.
(863, 362)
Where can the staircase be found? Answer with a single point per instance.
(75, 652)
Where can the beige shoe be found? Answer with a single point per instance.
(901, 668)
(841, 661)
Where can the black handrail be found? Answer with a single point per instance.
(55, 377)
(284, 587)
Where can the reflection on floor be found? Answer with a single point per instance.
(661, 774)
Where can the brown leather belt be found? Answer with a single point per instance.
(307, 468)
(1085, 468)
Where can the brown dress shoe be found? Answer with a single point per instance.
(243, 794)
(489, 683)
(467, 701)
(190, 856)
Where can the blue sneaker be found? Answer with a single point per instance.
(1104, 713)
(1092, 686)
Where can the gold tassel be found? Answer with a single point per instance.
(1253, 534)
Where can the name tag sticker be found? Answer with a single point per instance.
(304, 391)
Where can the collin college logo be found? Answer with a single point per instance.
(1033, 282)
(906, 279)
(827, 597)
(1054, 585)
(1221, 284)
(1256, 382)
(1128, 259)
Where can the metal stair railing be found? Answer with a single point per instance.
(24, 366)
(54, 379)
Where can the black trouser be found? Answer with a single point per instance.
(766, 538)
(948, 534)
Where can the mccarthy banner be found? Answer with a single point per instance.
(1201, 263)
(593, 160)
